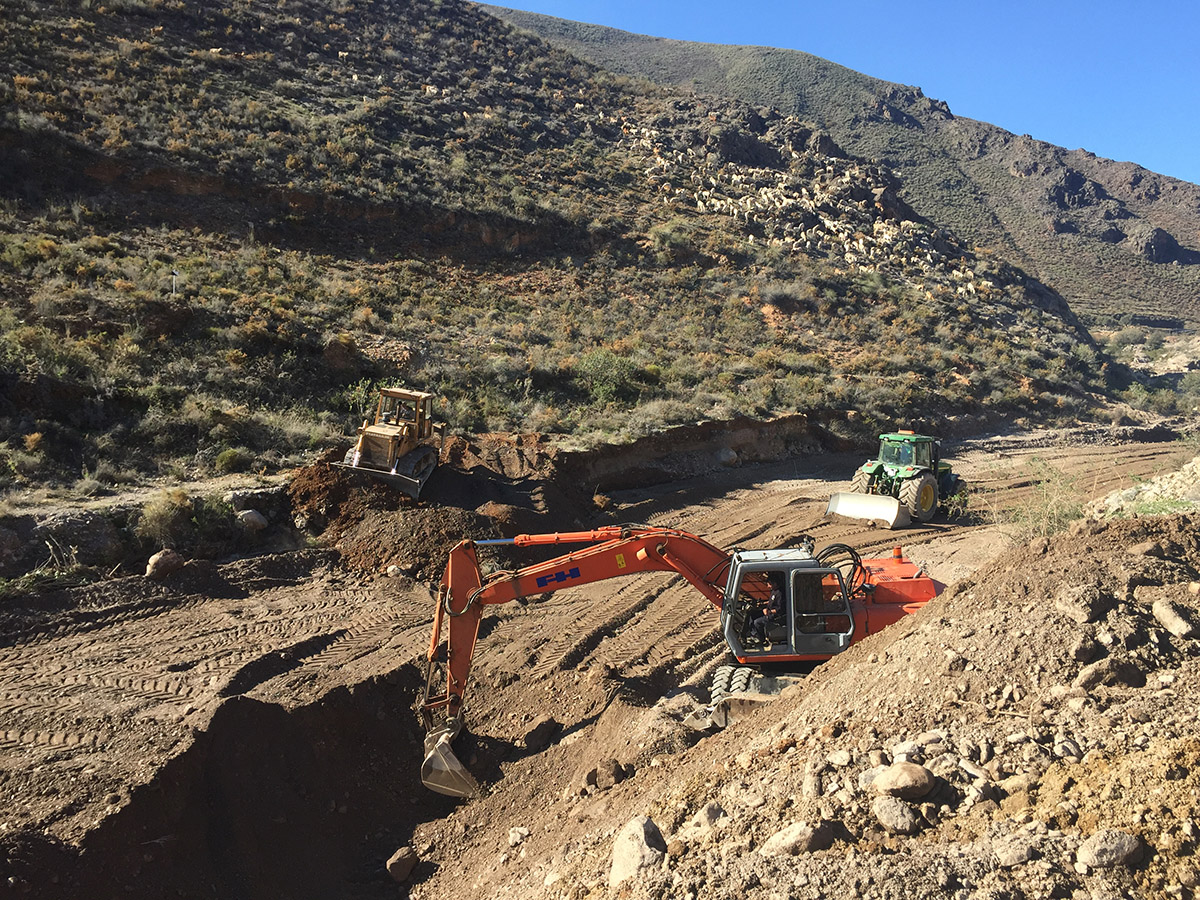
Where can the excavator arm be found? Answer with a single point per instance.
(611, 552)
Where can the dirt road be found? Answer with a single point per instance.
(223, 728)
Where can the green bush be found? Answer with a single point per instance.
(607, 376)
(235, 459)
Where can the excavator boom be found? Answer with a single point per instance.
(611, 553)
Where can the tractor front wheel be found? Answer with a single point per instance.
(861, 482)
(920, 496)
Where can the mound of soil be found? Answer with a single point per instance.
(1050, 701)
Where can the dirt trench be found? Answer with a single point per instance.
(267, 802)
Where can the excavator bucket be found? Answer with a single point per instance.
(872, 507)
(441, 771)
(729, 709)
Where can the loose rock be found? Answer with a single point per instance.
(1173, 618)
(1109, 848)
(799, 837)
(1109, 670)
(163, 563)
(895, 815)
(542, 734)
(905, 780)
(252, 520)
(1013, 852)
(402, 863)
(638, 846)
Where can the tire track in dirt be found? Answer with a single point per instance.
(167, 662)
(661, 625)
(589, 616)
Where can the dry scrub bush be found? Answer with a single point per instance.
(166, 519)
(1055, 500)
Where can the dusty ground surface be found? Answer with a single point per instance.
(245, 729)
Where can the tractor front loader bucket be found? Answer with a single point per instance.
(872, 507)
(441, 771)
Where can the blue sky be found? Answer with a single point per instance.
(1121, 79)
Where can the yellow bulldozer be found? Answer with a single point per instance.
(398, 448)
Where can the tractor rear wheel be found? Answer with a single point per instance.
(920, 496)
(861, 482)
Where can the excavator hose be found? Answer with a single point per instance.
(471, 600)
(842, 556)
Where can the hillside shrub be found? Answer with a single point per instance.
(234, 459)
(166, 519)
(1055, 500)
(607, 376)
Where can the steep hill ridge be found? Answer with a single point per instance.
(224, 225)
(1113, 237)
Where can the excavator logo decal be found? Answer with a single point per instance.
(558, 577)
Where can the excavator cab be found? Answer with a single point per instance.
(813, 621)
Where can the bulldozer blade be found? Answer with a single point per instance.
(403, 483)
(441, 771)
(872, 507)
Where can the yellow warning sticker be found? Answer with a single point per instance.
(620, 560)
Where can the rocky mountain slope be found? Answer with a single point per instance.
(223, 226)
(1113, 237)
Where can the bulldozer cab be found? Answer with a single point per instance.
(400, 408)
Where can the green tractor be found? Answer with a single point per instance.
(908, 480)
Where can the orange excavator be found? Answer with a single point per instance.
(776, 606)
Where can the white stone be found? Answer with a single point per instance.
(638, 846)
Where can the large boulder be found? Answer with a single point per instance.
(638, 846)
(905, 780)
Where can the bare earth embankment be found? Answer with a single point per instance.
(245, 729)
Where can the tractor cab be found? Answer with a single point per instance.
(906, 450)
